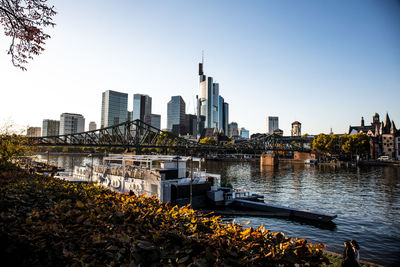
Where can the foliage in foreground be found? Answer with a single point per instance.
(46, 221)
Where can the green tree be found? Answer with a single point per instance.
(319, 143)
(356, 144)
(12, 145)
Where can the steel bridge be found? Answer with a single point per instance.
(140, 135)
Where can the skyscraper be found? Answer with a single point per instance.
(114, 108)
(141, 107)
(175, 112)
(71, 123)
(50, 128)
(223, 115)
(208, 100)
(272, 124)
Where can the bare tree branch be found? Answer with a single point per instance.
(24, 20)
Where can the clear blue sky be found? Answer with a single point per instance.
(323, 63)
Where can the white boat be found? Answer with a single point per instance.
(175, 179)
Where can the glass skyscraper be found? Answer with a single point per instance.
(208, 101)
(114, 108)
(141, 107)
(176, 110)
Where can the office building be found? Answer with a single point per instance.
(71, 123)
(154, 120)
(34, 132)
(92, 126)
(244, 133)
(141, 107)
(233, 129)
(296, 128)
(272, 124)
(208, 100)
(50, 128)
(175, 112)
(114, 108)
(191, 124)
(225, 117)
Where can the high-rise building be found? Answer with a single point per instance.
(191, 124)
(50, 128)
(175, 112)
(244, 133)
(92, 126)
(272, 124)
(33, 132)
(208, 100)
(225, 117)
(71, 123)
(114, 108)
(141, 107)
(296, 128)
(233, 129)
(154, 120)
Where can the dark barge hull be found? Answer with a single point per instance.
(283, 211)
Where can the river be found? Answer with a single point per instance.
(366, 201)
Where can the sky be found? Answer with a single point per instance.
(323, 63)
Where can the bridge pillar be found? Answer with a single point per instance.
(269, 159)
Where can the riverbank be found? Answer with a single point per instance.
(55, 222)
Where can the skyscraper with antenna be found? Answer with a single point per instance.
(209, 108)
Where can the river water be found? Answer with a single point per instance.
(366, 201)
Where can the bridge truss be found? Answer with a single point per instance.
(138, 134)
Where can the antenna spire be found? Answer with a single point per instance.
(202, 57)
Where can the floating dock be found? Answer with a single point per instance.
(283, 211)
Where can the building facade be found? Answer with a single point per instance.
(50, 128)
(114, 108)
(71, 123)
(383, 136)
(272, 124)
(92, 126)
(176, 109)
(154, 120)
(244, 133)
(296, 128)
(191, 124)
(233, 129)
(141, 107)
(34, 132)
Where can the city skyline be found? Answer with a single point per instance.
(323, 64)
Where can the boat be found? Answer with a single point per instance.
(311, 161)
(179, 180)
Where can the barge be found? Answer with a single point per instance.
(180, 181)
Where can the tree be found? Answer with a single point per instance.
(12, 145)
(319, 143)
(208, 141)
(356, 144)
(24, 20)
